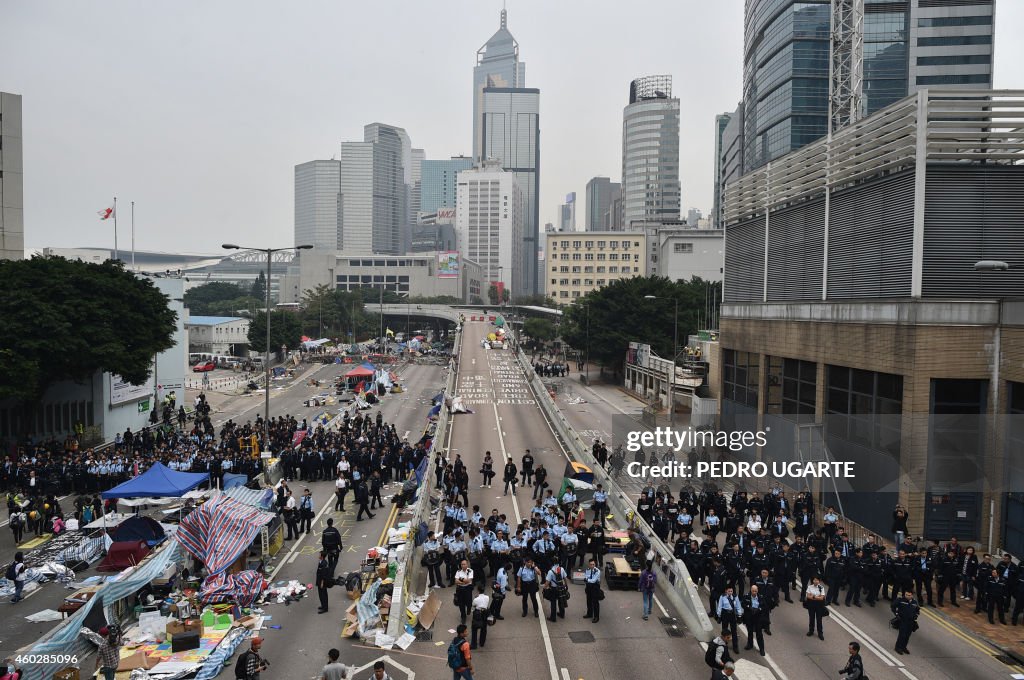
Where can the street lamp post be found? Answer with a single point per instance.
(587, 358)
(675, 350)
(266, 361)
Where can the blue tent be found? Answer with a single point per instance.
(231, 481)
(158, 481)
(368, 366)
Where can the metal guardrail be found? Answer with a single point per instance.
(400, 596)
(677, 586)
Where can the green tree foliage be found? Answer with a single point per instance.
(285, 330)
(492, 294)
(435, 300)
(334, 312)
(620, 313)
(220, 298)
(259, 288)
(539, 329)
(66, 320)
(372, 295)
(536, 301)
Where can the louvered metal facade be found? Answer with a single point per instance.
(796, 243)
(744, 261)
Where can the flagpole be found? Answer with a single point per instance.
(133, 234)
(116, 255)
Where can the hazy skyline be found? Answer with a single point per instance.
(199, 112)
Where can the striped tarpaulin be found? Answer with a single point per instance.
(257, 498)
(218, 531)
(243, 588)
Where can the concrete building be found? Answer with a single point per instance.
(317, 204)
(511, 135)
(12, 205)
(432, 237)
(567, 213)
(422, 275)
(438, 182)
(613, 218)
(651, 189)
(682, 254)
(224, 335)
(497, 66)
(104, 403)
(600, 191)
(579, 263)
(728, 159)
(374, 194)
(854, 315)
(907, 46)
(415, 187)
(490, 224)
(721, 123)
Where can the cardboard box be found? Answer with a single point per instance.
(177, 627)
(137, 660)
(67, 674)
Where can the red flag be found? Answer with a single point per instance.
(106, 213)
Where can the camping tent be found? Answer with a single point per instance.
(158, 481)
(360, 372)
(139, 528)
(124, 554)
(220, 530)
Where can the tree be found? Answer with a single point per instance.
(67, 320)
(536, 301)
(259, 287)
(505, 295)
(435, 300)
(539, 329)
(285, 330)
(492, 294)
(620, 313)
(372, 295)
(209, 298)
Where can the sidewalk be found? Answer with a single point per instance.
(964, 623)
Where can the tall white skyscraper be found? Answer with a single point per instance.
(12, 211)
(374, 193)
(489, 223)
(317, 214)
(497, 65)
(650, 152)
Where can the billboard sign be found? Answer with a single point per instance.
(445, 216)
(448, 265)
(122, 391)
(639, 355)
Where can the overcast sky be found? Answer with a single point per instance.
(199, 111)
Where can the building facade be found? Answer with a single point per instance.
(12, 206)
(490, 224)
(511, 135)
(438, 182)
(317, 204)
(856, 327)
(577, 263)
(374, 192)
(567, 213)
(908, 45)
(684, 253)
(651, 189)
(225, 335)
(721, 124)
(600, 191)
(497, 66)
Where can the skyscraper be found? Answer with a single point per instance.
(721, 124)
(12, 220)
(506, 126)
(317, 204)
(908, 45)
(489, 222)
(567, 219)
(599, 201)
(650, 152)
(438, 182)
(497, 65)
(374, 194)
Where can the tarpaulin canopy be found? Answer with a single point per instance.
(360, 372)
(258, 498)
(158, 481)
(244, 588)
(231, 480)
(124, 554)
(219, 531)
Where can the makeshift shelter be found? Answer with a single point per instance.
(220, 530)
(158, 481)
(257, 498)
(579, 471)
(123, 554)
(139, 528)
(361, 371)
(231, 481)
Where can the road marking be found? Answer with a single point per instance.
(294, 550)
(661, 607)
(565, 674)
(865, 639)
(410, 675)
(519, 518)
(547, 642)
(948, 626)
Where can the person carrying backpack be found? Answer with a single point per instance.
(16, 573)
(717, 653)
(459, 657)
(17, 524)
(250, 663)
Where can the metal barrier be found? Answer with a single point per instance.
(421, 509)
(676, 584)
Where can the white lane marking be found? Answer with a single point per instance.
(864, 638)
(515, 502)
(547, 641)
(661, 607)
(565, 674)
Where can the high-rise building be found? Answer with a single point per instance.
(612, 220)
(511, 135)
(651, 190)
(567, 213)
(908, 45)
(415, 192)
(490, 222)
(317, 204)
(580, 263)
(374, 194)
(12, 207)
(437, 184)
(721, 123)
(599, 200)
(497, 65)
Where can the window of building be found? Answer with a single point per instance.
(588, 256)
(564, 256)
(613, 270)
(576, 244)
(792, 388)
(588, 244)
(613, 256)
(563, 293)
(563, 282)
(740, 376)
(575, 293)
(554, 281)
(601, 257)
(600, 244)
(942, 41)
(613, 244)
(935, 22)
(576, 270)
(588, 270)
(955, 60)
(682, 247)
(864, 407)
(600, 282)
(588, 282)
(600, 270)
(565, 244)
(955, 79)
(575, 282)
(625, 245)
(554, 245)
(577, 256)
(563, 269)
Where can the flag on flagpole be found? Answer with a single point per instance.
(106, 213)
(390, 332)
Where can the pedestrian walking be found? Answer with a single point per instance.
(335, 670)
(109, 652)
(17, 525)
(379, 671)
(323, 581)
(16, 573)
(481, 614)
(717, 654)
(363, 499)
(460, 658)
(754, 609)
(906, 610)
(730, 611)
(340, 491)
(647, 583)
(854, 668)
(250, 663)
(592, 576)
(330, 539)
(814, 603)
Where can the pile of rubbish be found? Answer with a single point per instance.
(285, 592)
